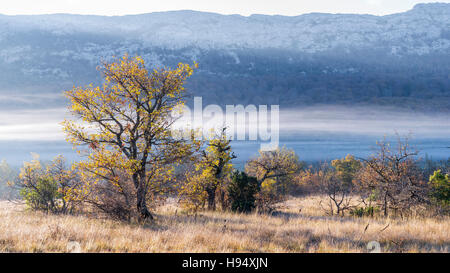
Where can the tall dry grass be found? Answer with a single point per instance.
(300, 226)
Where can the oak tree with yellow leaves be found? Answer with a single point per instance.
(274, 165)
(274, 171)
(126, 126)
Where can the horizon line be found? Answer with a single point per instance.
(223, 14)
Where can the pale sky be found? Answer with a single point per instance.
(243, 7)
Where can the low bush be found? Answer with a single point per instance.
(48, 187)
(367, 211)
(242, 192)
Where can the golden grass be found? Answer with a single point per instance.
(290, 230)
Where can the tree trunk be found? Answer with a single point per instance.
(211, 198)
(144, 213)
(141, 201)
(223, 201)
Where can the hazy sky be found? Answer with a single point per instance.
(243, 7)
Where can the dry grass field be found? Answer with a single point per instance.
(300, 226)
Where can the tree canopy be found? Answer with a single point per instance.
(126, 124)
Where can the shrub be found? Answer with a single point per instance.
(242, 191)
(44, 194)
(114, 200)
(48, 187)
(440, 188)
(114, 194)
(268, 198)
(192, 193)
(367, 211)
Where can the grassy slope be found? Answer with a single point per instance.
(292, 230)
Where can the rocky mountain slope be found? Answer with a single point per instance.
(401, 59)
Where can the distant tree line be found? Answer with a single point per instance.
(288, 78)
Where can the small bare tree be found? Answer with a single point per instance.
(394, 177)
(338, 191)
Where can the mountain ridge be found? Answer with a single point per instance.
(401, 59)
(188, 28)
(419, 6)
